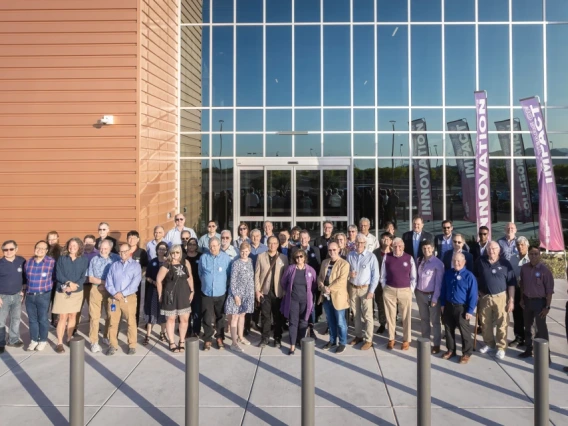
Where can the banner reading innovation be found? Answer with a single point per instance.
(422, 175)
(463, 147)
(550, 226)
(482, 180)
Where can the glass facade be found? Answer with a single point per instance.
(280, 82)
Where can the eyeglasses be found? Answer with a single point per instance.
(225, 238)
(102, 229)
(8, 249)
(242, 229)
(457, 242)
(124, 251)
(446, 227)
(483, 233)
(185, 239)
(212, 226)
(178, 219)
(361, 242)
(298, 257)
(175, 252)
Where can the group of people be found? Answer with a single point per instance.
(280, 281)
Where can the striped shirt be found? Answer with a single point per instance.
(40, 274)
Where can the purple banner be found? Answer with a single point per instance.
(422, 175)
(482, 180)
(463, 147)
(520, 184)
(550, 225)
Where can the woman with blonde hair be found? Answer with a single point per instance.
(341, 239)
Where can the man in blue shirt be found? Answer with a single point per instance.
(214, 271)
(458, 300)
(122, 282)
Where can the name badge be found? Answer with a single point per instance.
(154, 263)
(538, 274)
(44, 275)
(19, 269)
(405, 264)
(458, 277)
(313, 255)
(364, 266)
(309, 274)
(493, 271)
(320, 246)
(137, 260)
(220, 269)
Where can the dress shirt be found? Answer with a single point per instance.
(536, 281)
(459, 287)
(12, 275)
(494, 278)
(204, 242)
(430, 277)
(483, 248)
(174, 235)
(231, 252)
(367, 268)
(264, 239)
(507, 247)
(255, 251)
(214, 272)
(416, 238)
(372, 242)
(40, 275)
(123, 277)
(71, 270)
(151, 248)
(383, 277)
(99, 266)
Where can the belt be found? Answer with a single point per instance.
(37, 293)
(425, 292)
(496, 294)
(455, 304)
(359, 286)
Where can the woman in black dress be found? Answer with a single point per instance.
(151, 303)
(192, 256)
(175, 291)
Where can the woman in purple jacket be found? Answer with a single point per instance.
(300, 284)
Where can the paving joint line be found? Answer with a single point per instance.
(386, 387)
(251, 387)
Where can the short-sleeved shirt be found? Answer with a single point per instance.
(99, 266)
(494, 278)
(536, 281)
(12, 275)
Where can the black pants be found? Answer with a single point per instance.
(54, 317)
(269, 312)
(518, 320)
(196, 313)
(533, 308)
(454, 316)
(296, 320)
(212, 309)
(380, 305)
(138, 299)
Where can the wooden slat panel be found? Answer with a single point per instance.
(85, 5)
(62, 15)
(99, 108)
(86, 27)
(61, 120)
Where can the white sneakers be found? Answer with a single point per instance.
(484, 349)
(41, 346)
(32, 346)
(96, 348)
(500, 354)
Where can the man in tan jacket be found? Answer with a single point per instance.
(270, 266)
(332, 282)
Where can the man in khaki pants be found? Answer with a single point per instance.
(398, 278)
(363, 280)
(122, 282)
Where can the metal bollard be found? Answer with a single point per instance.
(423, 385)
(541, 365)
(308, 382)
(77, 382)
(192, 381)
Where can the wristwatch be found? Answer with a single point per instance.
(548, 308)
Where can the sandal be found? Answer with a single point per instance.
(146, 340)
(174, 349)
(181, 347)
(163, 337)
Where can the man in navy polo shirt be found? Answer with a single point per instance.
(12, 287)
(496, 283)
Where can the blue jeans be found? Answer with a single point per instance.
(336, 322)
(11, 304)
(37, 307)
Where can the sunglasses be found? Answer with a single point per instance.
(8, 249)
(298, 257)
(483, 233)
(179, 219)
(446, 227)
(185, 239)
(102, 229)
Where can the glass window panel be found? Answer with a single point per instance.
(223, 193)
(528, 72)
(459, 10)
(399, 116)
(307, 65)
(278, 120)
(336, 66)
(468, 114)
(249, 66)
(393, 147)
(561, 175)
(364, 191)
(557, 64)
(278, 145)
(392, 10)
(190, 120)
(307, 119)
(556, 10)
(190, 61)
(499, 114)
(249, 145)
(493, 10)
(222, 66)
(205, 145)
(432, 201)
(278, 184)
(460, 64)
(494, 62)
(191, 195)
(495, 147)
(249, 11)
(364, 144)
(278, 10)
(205, 67)
(393, 184)
(392, 65)
(307, 145)
(363, 10)
(426, 65)
(222, 117)
(192, 145)
(454, 200)
(526, 210)
(249, 120)
(337, 145)
(279, 66)
(500, 195)
(336, 10)
(556, 120)
(425, 10)
(206, 11)
(222, 145)
(527, 10)
(252, 186)
(205, 120)
(205, 178)
(337, 120)
(307, 11)
(461, 143)
(559, 145)
(223, 10)
(364, 119)
(433, 118)
(363, 65)
(308, 193)
(335, 193)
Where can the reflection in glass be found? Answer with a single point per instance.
(433, 118)
(459, 10)
(557, 62)
(461, 142)
(205, 67)
(249, 120)
(222, 119)
(223, 193)
(190, 79)
(387, 116)
(335, 192)
(222, 66)
(363, 11)
(336, 66)
(249, 145)
(205, 145)
(308, 185)
(205, 178)
(431, 189)
(191, 195)
(249, 11)
(425, 10)
(393, 182)
(427, 65)
(337, 120)
(307, 119)
(249, 66)
(364, 119)
(307, 145)
(279, 185)
(307, 11)
(279, 10)
(494, 62)
(337, 10)
(363, 65)
(500, 192)
(386, 147)
(222, 145)
(279, 66)
(364, 191)
(561, 176)
(556, 120)
(205, 120)
(392, 10)
(528, 77)
(278, 120)
(525, 193)
(454, 199)
(190, 120)
(460, 64)
(392, 65)
(278, 146)
(222, 10)
(307, 65)
(556, 10)
(337, 144)
(528, 10)
(252, 186)
(493, 10)
(364, 145)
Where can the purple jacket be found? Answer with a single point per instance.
(287, 282)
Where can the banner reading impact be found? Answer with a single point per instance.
(463, 147)
(422, 175)
(482, 180)
(550, 225)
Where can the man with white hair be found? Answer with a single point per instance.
(174, 235)
(226, 245)
(268, 232)
(364, 226)
(518, 260)
(158, 238)
(508, 242)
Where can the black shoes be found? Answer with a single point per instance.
(340, 349)
(18, 344)
(327, 346)
(381, 329)
(277, 343)
(526, 354)
(517, 342)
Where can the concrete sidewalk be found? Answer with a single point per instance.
(263, 386)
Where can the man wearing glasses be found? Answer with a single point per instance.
(12, 289)
(226, 245)
(211, 233)
(443, 241)
(458, 243)
(479, 248)
(174, 235)
(158, 238)
(104, 230)
(364, 227)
